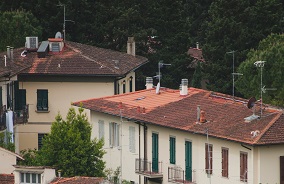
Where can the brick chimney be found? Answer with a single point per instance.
(184, 87)
(202, 117)
(131, 46)
(149, 82)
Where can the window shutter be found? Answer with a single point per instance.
(132, 139)
(110, 134)
(101, 129)
(117, 135)
(208, 158)
(281, 169)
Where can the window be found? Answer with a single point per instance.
(30, 178)
(130, 84)
(101, 129)
(124, 86)
(113, 134)
(118, 86)
(172, 150)
(132, 139)
(225, 162)
(42, 100)
(244, 167)
(39, 140)
(208, 158)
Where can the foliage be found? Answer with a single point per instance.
(270, 50)
(16, 25)
(6, 141)
(197, 77)
(69, 147)
(29, 157)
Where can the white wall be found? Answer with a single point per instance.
(7, 160)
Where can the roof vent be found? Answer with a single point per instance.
(32, 43)
(55, 44)
(184, 87)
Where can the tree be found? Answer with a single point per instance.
(16, 25)
(197, 77)
(69, 147)
(6, 141)
(270, 50)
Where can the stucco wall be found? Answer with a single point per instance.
(7, 160)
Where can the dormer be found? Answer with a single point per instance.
(55, 45)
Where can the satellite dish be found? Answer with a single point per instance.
(251, 102)
(158, 88)
(58, 35)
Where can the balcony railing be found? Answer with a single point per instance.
(177, 175)
(21, 116)
(147, 168)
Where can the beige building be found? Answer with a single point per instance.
(43, 79)
(7, 160)
(189, 136)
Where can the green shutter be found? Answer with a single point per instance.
(172, 150)
(1, 102)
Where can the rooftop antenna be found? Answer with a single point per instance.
(233, 73)
(159, 75)
(64, 20)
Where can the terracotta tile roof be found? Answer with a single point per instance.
(77, 59)
(7, 179)
(197, 55)
(225, 116)
(78, 179)
(12, 67)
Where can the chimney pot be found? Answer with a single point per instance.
(202, 117)
(149, 82)
(12, 53)
(8, 52)
(184, 87)
(197, 45)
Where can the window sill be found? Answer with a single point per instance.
(41, 111)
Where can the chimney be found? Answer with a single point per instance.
(198, 113)
(197, 45)
(5, 59)
(131, 46)
(202, 117)
(8, 52)
(149, 82)
(59, 173)
(12, 53)
(184, 87)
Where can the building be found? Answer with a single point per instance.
(7, 160)
(44, 78)
(160, 135)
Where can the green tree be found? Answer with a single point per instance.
(197, 77)
(270, 50)
(69, 147)
(16, 25)
(6, 141)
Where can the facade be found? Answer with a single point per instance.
(160, 135)
(43, 79)
(7, 160)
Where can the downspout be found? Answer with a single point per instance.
(145, 151)
(139, 155)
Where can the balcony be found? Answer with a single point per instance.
(177, 175)
(148, 169)
(19, 116)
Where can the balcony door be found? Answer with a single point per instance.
(155, 152)
(188, 161)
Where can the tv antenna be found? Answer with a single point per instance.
(233, 73)
(64, 20)
(159, 75)
(260, 64)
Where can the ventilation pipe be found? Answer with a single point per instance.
(149, 82)
(8, 52)
(131, 46)
(197, 45)
(198, 113)
(12, 53)
(184, 87)
(5, 59)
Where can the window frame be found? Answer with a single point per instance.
(101, 129)
(114, 134)
(40, 137)
(42, 96)
(132, 139)
(24, 176)
(172, 145)
(243, 166)
(209, 164)
(225, 162)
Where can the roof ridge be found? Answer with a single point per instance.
(268, 127)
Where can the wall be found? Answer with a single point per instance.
(7, 161)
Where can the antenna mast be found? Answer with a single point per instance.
(233, 73)
(260, 64)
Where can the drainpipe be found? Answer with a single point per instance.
(139, 155)
(145, 150)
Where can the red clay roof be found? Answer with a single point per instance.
(77, 179)
(76, 59)
(7, 179)
(225, 116)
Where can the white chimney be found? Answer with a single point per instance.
(149, 82)
(184, 87)
(131, 46)
(5, 58)
(197, 45)
(8, 52)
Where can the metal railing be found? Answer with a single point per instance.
(21, 116)
(146, 167)
(177, 175)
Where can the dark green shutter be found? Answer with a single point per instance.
(1, 102)
(188, 161)
(155, 152)
(172, 150)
